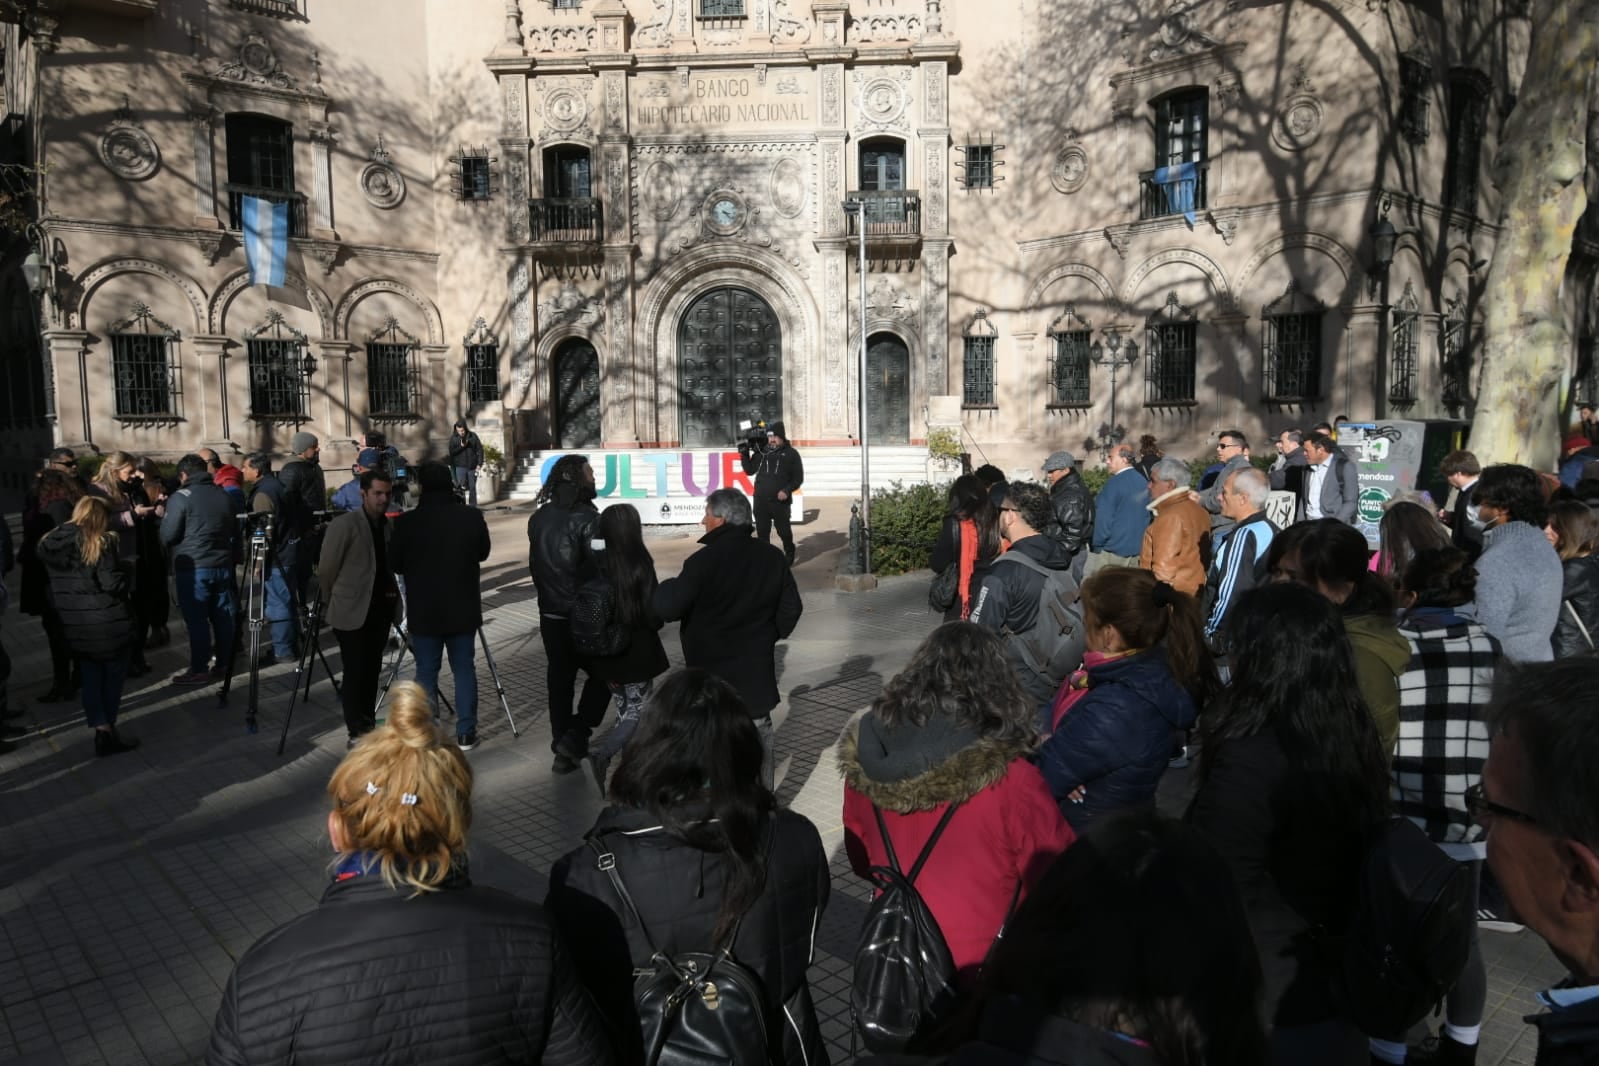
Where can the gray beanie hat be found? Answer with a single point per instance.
(301, 441)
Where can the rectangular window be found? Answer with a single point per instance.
(1170, 361)
(1402, 357)
(1468, 126)
(146, 380)
(1068, 370)
(482, 373)
(721, 9)
(391, 380)
(475, 178)
(277, 380)
(1292, 348)
(261, 164)
(1415, 90)
(1177, 184)
(978, 390)
(568, 5)
(980, 163)
(567, 174)
(1454, 352)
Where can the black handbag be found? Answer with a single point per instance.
(695, 1008)
(945, 589)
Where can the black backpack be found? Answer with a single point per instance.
(694, 1008)
(595, 629)
(1407, 944)
(904, 976)
(1053, 647)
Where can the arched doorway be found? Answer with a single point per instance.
(729, 366)
(577, 394)
(888, 390)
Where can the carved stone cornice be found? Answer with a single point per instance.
(1224, 56)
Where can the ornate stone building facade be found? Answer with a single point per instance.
(590, 223)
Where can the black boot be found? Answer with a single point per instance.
(108, 742)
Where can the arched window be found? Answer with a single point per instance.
(979, 361)
(1290, 343)
(882, 181)
(1402, 349)
(1171, 355)
(1070, 338)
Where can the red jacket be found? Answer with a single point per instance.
(1007, 832)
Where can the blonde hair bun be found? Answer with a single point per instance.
(411, 717)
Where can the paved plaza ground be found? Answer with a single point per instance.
(128, 886)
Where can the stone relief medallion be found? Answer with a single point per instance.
(883, 101)
(1070, 171)
(382, 185)
(130, 153)
(788, 187)
(1299, 124)
(662, 190)
(257, 57)
(565, 109)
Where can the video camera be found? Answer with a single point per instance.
(257, 525)
(754, 436)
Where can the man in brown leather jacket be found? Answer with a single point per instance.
(1177, 543)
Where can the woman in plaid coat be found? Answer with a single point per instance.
(1442, 745)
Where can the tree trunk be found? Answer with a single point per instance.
(1539, 173)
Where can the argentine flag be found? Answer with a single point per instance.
(266, 239)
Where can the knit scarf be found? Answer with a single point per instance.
(968, 563)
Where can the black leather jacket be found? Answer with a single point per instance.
(305, 480)
(1580, 593)
(559, 534)
(1073, 511)
(776, 470)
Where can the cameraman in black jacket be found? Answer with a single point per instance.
(779, 472)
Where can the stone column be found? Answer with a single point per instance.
(516, 149)
(1237, 392)
(935, 312)
(333, 374)
(837, 414)
(322, 181)
(66, 353)
(201, 121)
(206, 388)
(435, 399)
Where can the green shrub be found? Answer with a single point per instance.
(492, 456)
(89, 465)
(905, 524)
(1095, 478)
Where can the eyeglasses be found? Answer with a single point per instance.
(1481, 806)
(1223, 445)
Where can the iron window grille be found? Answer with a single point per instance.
(722, 9)
(1291, 346)
(482, 364)
(1454, 350)
(144, 367)
(279, 386)
(472, 176)
(980, 163)
(1468, 126)
(566, 5)
(1585, 379)
(261, 164)
(1415, 89)
(1070, 337)
(978, 361)
(1171, 355)
(1402, 349)
(392, 375)
(283, 9)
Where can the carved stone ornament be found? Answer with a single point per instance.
(657, 33)
(127, 150)
(565, 109)
(789, 23)
(326, 253)
(885, 300)
(1070, 171)
(209, 242)
(1119, 238)
(661, 190)
(561, 39)
(883, 101)
(1300, 121)
(568, 306)
(789, 189)
(1177, 35)
(871, 29)
(381, 182)
(255, 63)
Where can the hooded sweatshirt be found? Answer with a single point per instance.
(1381, 655)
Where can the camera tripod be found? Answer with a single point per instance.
(310, 646)
(488, 657)
(258, 561)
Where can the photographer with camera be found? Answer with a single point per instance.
(267, 496)
(392, 465)
(778, 475)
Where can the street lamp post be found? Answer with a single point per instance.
(858, 209)
(1122, 354)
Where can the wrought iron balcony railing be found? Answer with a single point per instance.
(888, 213)
(568, 220)
(1174, 190)
(296, 202)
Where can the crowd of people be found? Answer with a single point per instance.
(1000, 793)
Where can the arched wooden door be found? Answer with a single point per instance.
(729, 366)
(577, 394)
(888, 390)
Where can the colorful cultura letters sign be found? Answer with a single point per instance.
(667, 487)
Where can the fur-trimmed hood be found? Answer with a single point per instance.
(956, 778)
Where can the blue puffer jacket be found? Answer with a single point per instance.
(1116, 740)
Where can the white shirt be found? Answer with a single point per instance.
(1318, 477)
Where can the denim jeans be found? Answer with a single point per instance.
(280, 609)
(430, 653)
(207, 601)
(102, 681)
(466, 479)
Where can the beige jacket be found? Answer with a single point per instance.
(347, 570)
